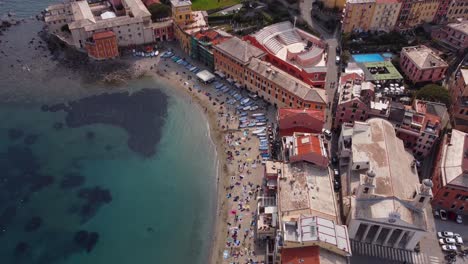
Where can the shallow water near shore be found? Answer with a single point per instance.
(155, 208)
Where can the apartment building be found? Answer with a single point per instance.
(385, 15)
(454, 34)
(387, 202)
(450, 187)
(202, 44)
(457, 9)
(458, 88)
(422, 64)
(358, 15)
(420, 126)
(242, 64)
(416, 12)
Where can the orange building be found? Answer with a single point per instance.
(103, 45)
(292, 120)
(232, 56)
(450, 190)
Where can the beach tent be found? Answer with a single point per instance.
(206, 76)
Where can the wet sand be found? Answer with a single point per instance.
(239, 177)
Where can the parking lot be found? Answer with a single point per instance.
(452, 226)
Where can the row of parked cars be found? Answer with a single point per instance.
(449, 241)
(450, 215)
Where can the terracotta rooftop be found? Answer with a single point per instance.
(239, 50)
(103, 35)
(301, 255)
(284, 113)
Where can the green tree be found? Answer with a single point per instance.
(345, 57)
(159, 11)
(435, 93)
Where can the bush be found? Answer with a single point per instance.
(434, 93)
(159, 11)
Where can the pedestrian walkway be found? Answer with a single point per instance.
(394, 254)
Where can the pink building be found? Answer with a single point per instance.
(454, 34)
(458, 88)
(356, 101)
(422, 64)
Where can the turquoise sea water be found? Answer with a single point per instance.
(162, 206)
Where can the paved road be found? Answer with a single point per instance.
(332, 69)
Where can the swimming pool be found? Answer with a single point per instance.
(371, 57)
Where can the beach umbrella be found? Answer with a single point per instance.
(402, 88)
(386, 89)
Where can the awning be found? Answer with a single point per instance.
(205, 76)
(220, 74)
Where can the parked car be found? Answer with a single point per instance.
(449, 248)
(443, 214)
(459, 219)
(334, 160)
(327, 132)
(447, 240)
(336, 185)
(337, 60)
(336, 173)
(458, 239)
(444, 234)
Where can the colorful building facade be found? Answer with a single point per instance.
(422, 64)
(457, 9)
(357, 15)
(385, 15)
(202, 44)
(103, 45)
(449, 177)
(458, 88)
(453, 34)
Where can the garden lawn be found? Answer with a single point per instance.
(212, 4)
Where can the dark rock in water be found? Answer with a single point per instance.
(6, 218)
(45, 108)
(14, 133)
(41, 181)
(20, 158)
(30, 139)
(141, 114)
(21, 248)
(58, 125)
(90, 135)
(72, 180)
(33, 224)
(92, 240)
(109, 147)
(95, 198)
(81, 238)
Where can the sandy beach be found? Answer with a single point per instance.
(240, 170)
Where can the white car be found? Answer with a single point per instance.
(458, 239)
(459, 219)
(337, 60)
(449, 248)
(326, 132)
(444, 241)
(444, 234)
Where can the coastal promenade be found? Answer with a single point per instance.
(240, 173)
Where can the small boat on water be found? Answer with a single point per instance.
(261, 124)
(258, 114)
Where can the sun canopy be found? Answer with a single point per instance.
(205, 76)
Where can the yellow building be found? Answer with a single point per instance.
(457, 9)
(334, 3)
(357, 15)
(422, 12)
(385, 15)
(181, 11)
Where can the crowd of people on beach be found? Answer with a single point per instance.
(245, 170)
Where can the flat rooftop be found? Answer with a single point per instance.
(462, 26)
(180, 3)
(424, 57)
(306, 189)
(454, 162)
(382, 70)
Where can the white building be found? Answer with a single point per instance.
(132, 25)
(385, 199)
